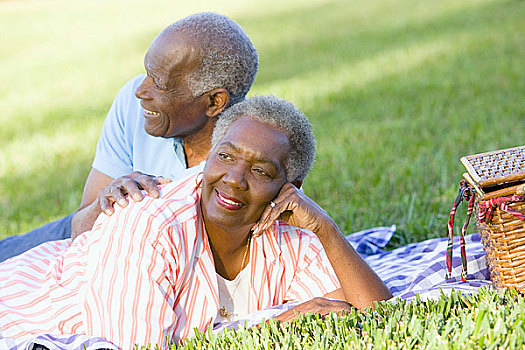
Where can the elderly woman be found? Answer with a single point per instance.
(238, 238)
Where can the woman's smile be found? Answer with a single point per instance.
(227, 202)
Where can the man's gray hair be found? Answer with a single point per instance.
(229, 58)
(286, 117)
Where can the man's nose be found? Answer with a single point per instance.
(143, 90)
(236, 177)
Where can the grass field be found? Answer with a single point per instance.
(397, 91)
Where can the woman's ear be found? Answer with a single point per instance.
(297, 183)
(219, 99)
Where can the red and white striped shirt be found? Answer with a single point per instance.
(146, 275)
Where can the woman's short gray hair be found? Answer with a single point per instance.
(286, 117)
(229, 58)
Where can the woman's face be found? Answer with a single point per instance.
(243, 173)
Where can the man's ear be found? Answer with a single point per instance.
(219, 99)
(297, 183)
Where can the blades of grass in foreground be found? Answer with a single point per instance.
(490, 319)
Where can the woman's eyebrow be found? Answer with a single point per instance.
(258, 159)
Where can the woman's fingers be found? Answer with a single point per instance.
(317, 305)
(278, 209)
(265, 221)
(293, 207)
(257, 229)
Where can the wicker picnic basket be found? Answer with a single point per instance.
(494, 186)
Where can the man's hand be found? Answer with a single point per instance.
(101, 192)
(320, 306)
(131, 185)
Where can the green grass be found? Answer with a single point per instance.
(397, 91)
(488, 320)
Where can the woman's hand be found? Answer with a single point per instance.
(321, 306)
(295, 208)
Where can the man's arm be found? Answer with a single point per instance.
(101, 192)
(89, 209)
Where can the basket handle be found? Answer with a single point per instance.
(466, 192)
(486, 208)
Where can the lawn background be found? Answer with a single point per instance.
(397, 91)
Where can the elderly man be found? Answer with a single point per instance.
(161, 123)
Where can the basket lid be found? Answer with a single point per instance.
(496, 167)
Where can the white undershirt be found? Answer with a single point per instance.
(239, 291)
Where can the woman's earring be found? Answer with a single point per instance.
(198, 179)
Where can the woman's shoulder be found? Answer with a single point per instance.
(182, 188)
(178, 202)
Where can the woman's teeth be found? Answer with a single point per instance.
(229, 201)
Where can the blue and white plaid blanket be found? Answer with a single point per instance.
(417, 268)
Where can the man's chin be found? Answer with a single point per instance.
(157, 132)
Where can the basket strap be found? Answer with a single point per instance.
(465, 192)
(486, 208)
(463, 231)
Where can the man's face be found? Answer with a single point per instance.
(170, 110)
(243, 173)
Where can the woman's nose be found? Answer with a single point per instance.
(143, 90)
(236, 177)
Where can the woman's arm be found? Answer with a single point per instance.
(360, 285)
